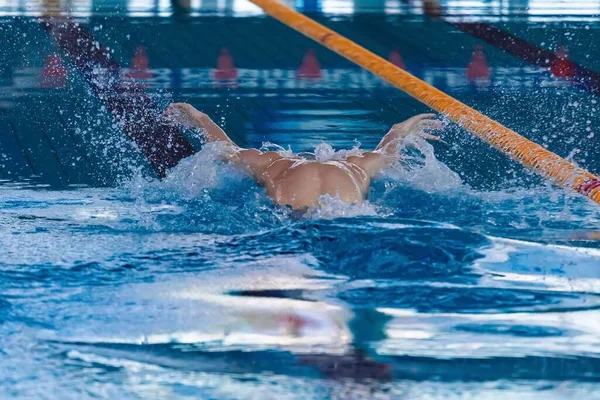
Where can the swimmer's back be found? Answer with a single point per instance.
(300, 183)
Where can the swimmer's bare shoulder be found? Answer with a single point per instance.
(258, 163)
(370, 162)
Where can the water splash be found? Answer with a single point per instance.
(333, 207)
(282, 151)
(322, 152)
(205, 194)
(207, 181)
(419, 168)
(203, 170)
(325, 152)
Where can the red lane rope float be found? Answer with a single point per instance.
(528, 153)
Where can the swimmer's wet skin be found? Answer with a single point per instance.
(299, 183)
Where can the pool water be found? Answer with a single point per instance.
(197, 287)
(462, 276)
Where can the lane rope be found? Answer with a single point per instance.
(528, 153)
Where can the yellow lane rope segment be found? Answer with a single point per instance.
(530, 154)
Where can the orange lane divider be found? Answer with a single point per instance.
(530, 154)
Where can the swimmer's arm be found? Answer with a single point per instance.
(386, 153)
(372, 162)
(417, 124)
(252, 161)
(186, 115)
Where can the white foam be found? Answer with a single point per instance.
(227, 321)
(203, 170)
(555, 267)
(435, 334)
(419, 168)
(324, 152)
(560, 249)
(333, 207)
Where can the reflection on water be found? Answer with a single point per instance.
(533, 10)
(146, 289)
(331, 79)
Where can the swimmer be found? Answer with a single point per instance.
(299, 183)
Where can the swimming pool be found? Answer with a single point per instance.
(464, 276)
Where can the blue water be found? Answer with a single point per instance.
(199, 287)
(463, 276)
